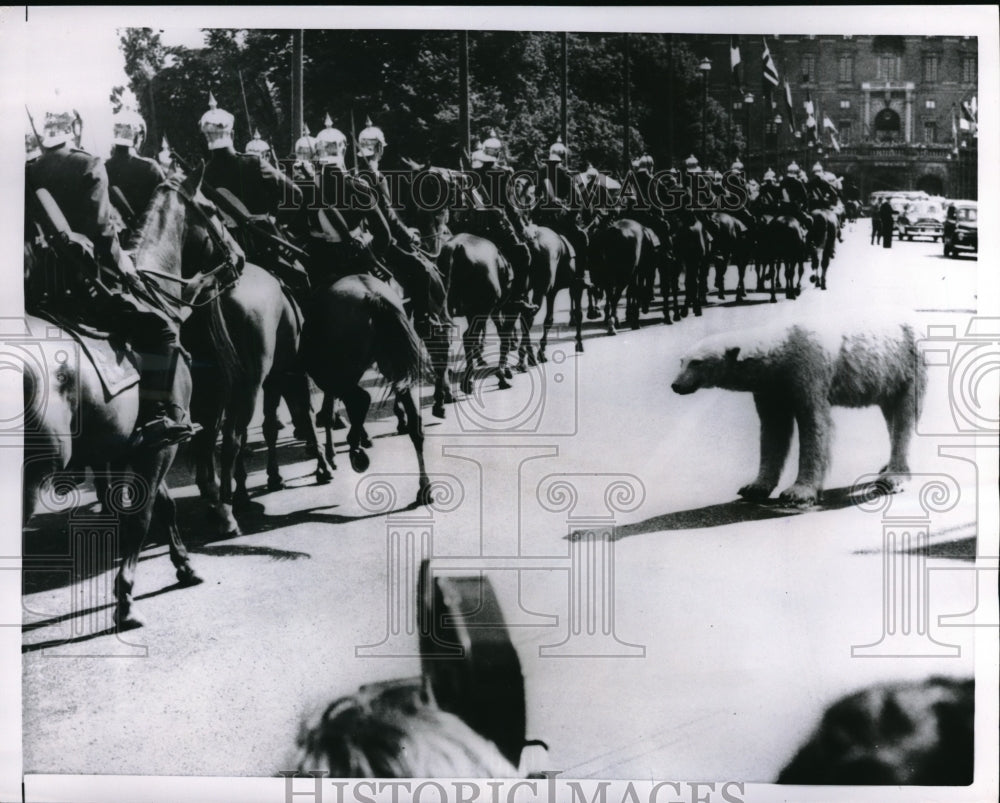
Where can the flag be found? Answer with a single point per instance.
(789, 108)
(770, 70)
(810, 118)
(828, 123)
(734, 61)
(968, 121)
(954, 128)
(834, 142)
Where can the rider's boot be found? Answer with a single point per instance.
(520, 260)
(163, 418)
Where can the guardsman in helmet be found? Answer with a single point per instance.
(559, 204)
(132, 178)
(738, 184)
(268, 195)
(259, 147)
(346, 225)
(501, 220)
(78, 183)
(794, 197)
(821, 193)
(411, 268)
(304, 166)
(644, 209)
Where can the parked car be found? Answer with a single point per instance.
(961, 228)
(921, 219)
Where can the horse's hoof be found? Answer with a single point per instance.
(129, 621)
(241, 501)
(230, 530)
(187, 576)
(697, 313)
(531, 359)
(359, 460)
(480, 362)
(424, 495)
(365, 442)
(593, 316)
(507, 372)
(812, 280)
(521, 368)
(438, 410)
(774, 300)
(274, 484)
(448, 397)
(328, 454)
(542, 357)
(466, 388)
(401, 429)
(579, 349)
(324, 476)
(503, 383)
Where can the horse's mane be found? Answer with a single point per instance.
(160, 224)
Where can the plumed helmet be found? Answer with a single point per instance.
(257, 146)
(330, 144)
(165, 157)
(60, 124)
(492, 146)
(716, 177)
(817, 168)
(558, 151)
(646, 162)
(769, 175)
(479, 158)
(691, 164)
(305, 147)
(793, 169)
(371, 140)
(217, 125)
(673, 171)
(736, 166)
(128, 128)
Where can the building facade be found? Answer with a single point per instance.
(895, 103)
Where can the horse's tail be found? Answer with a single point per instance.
(225, 350)
(398, 351)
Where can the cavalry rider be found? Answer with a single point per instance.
(259, 148)
(646, 209)
(559, 204)
(821, 193)
(405, 260)
(304, 167)
(794, 196)
(697, 199)
(769, 197)
(265, 192)
(738, 183)
(135, 177)
(501, 218)
(78, 183)
(344, 222)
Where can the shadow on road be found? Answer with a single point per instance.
(727, 513)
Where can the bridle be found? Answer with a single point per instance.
(225, 274)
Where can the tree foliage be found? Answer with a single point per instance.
(407, 83)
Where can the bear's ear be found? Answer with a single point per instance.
(732, 354)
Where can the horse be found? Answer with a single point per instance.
(244, 342)
(553, 268)
(350, 325)
(691, 249)
(620, 252)
(787, 241)
(69, 422)
(822, 241)
(730, 243)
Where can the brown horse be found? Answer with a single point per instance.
(354, 323)
(246, 339)
(730, 245)
(620, 253)
(553, 268)
(69, 421)
(823, 231)
(787, 243)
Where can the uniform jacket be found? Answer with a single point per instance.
(378, 183)
(136, 177)
(261, 187)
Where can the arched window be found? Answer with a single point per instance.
(886, 125)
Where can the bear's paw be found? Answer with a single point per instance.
(799, 495)
(756, 491)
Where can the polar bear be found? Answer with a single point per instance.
(797, 371)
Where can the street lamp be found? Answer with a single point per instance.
(747, 103)
(705, 67)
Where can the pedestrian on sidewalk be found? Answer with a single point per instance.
(876, 233)
(885, 224)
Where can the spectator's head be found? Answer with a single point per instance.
(394, 731)
(895, 734)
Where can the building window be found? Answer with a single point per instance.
(848, 37)
(930, 132)
(808, 69)
(930, 104)
(931, 69)
(845, 132)
(737, 105)
(845, 104)
(845, 69)
(969, 69)
(887, 68)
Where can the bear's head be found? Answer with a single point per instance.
(707, 365)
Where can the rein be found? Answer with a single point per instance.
(230, 264)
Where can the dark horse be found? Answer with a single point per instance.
(621, 253)
(731, 243)
(823, 230)
(70, 423)
(352, 324)
(553, 268)
(786, 244)
(691, 250)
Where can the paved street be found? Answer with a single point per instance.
(730, 625)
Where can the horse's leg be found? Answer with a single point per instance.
(272, 397)
(241, 497)
(721, 266)
(437, 347)
(504, 332)
(149, 467)
(357, 401)
(297, 398)
(227, 525)
(325, 419)
(470, 342)
(547, 322)
(165, 514)
(416, 432)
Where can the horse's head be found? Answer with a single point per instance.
(184, 243)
